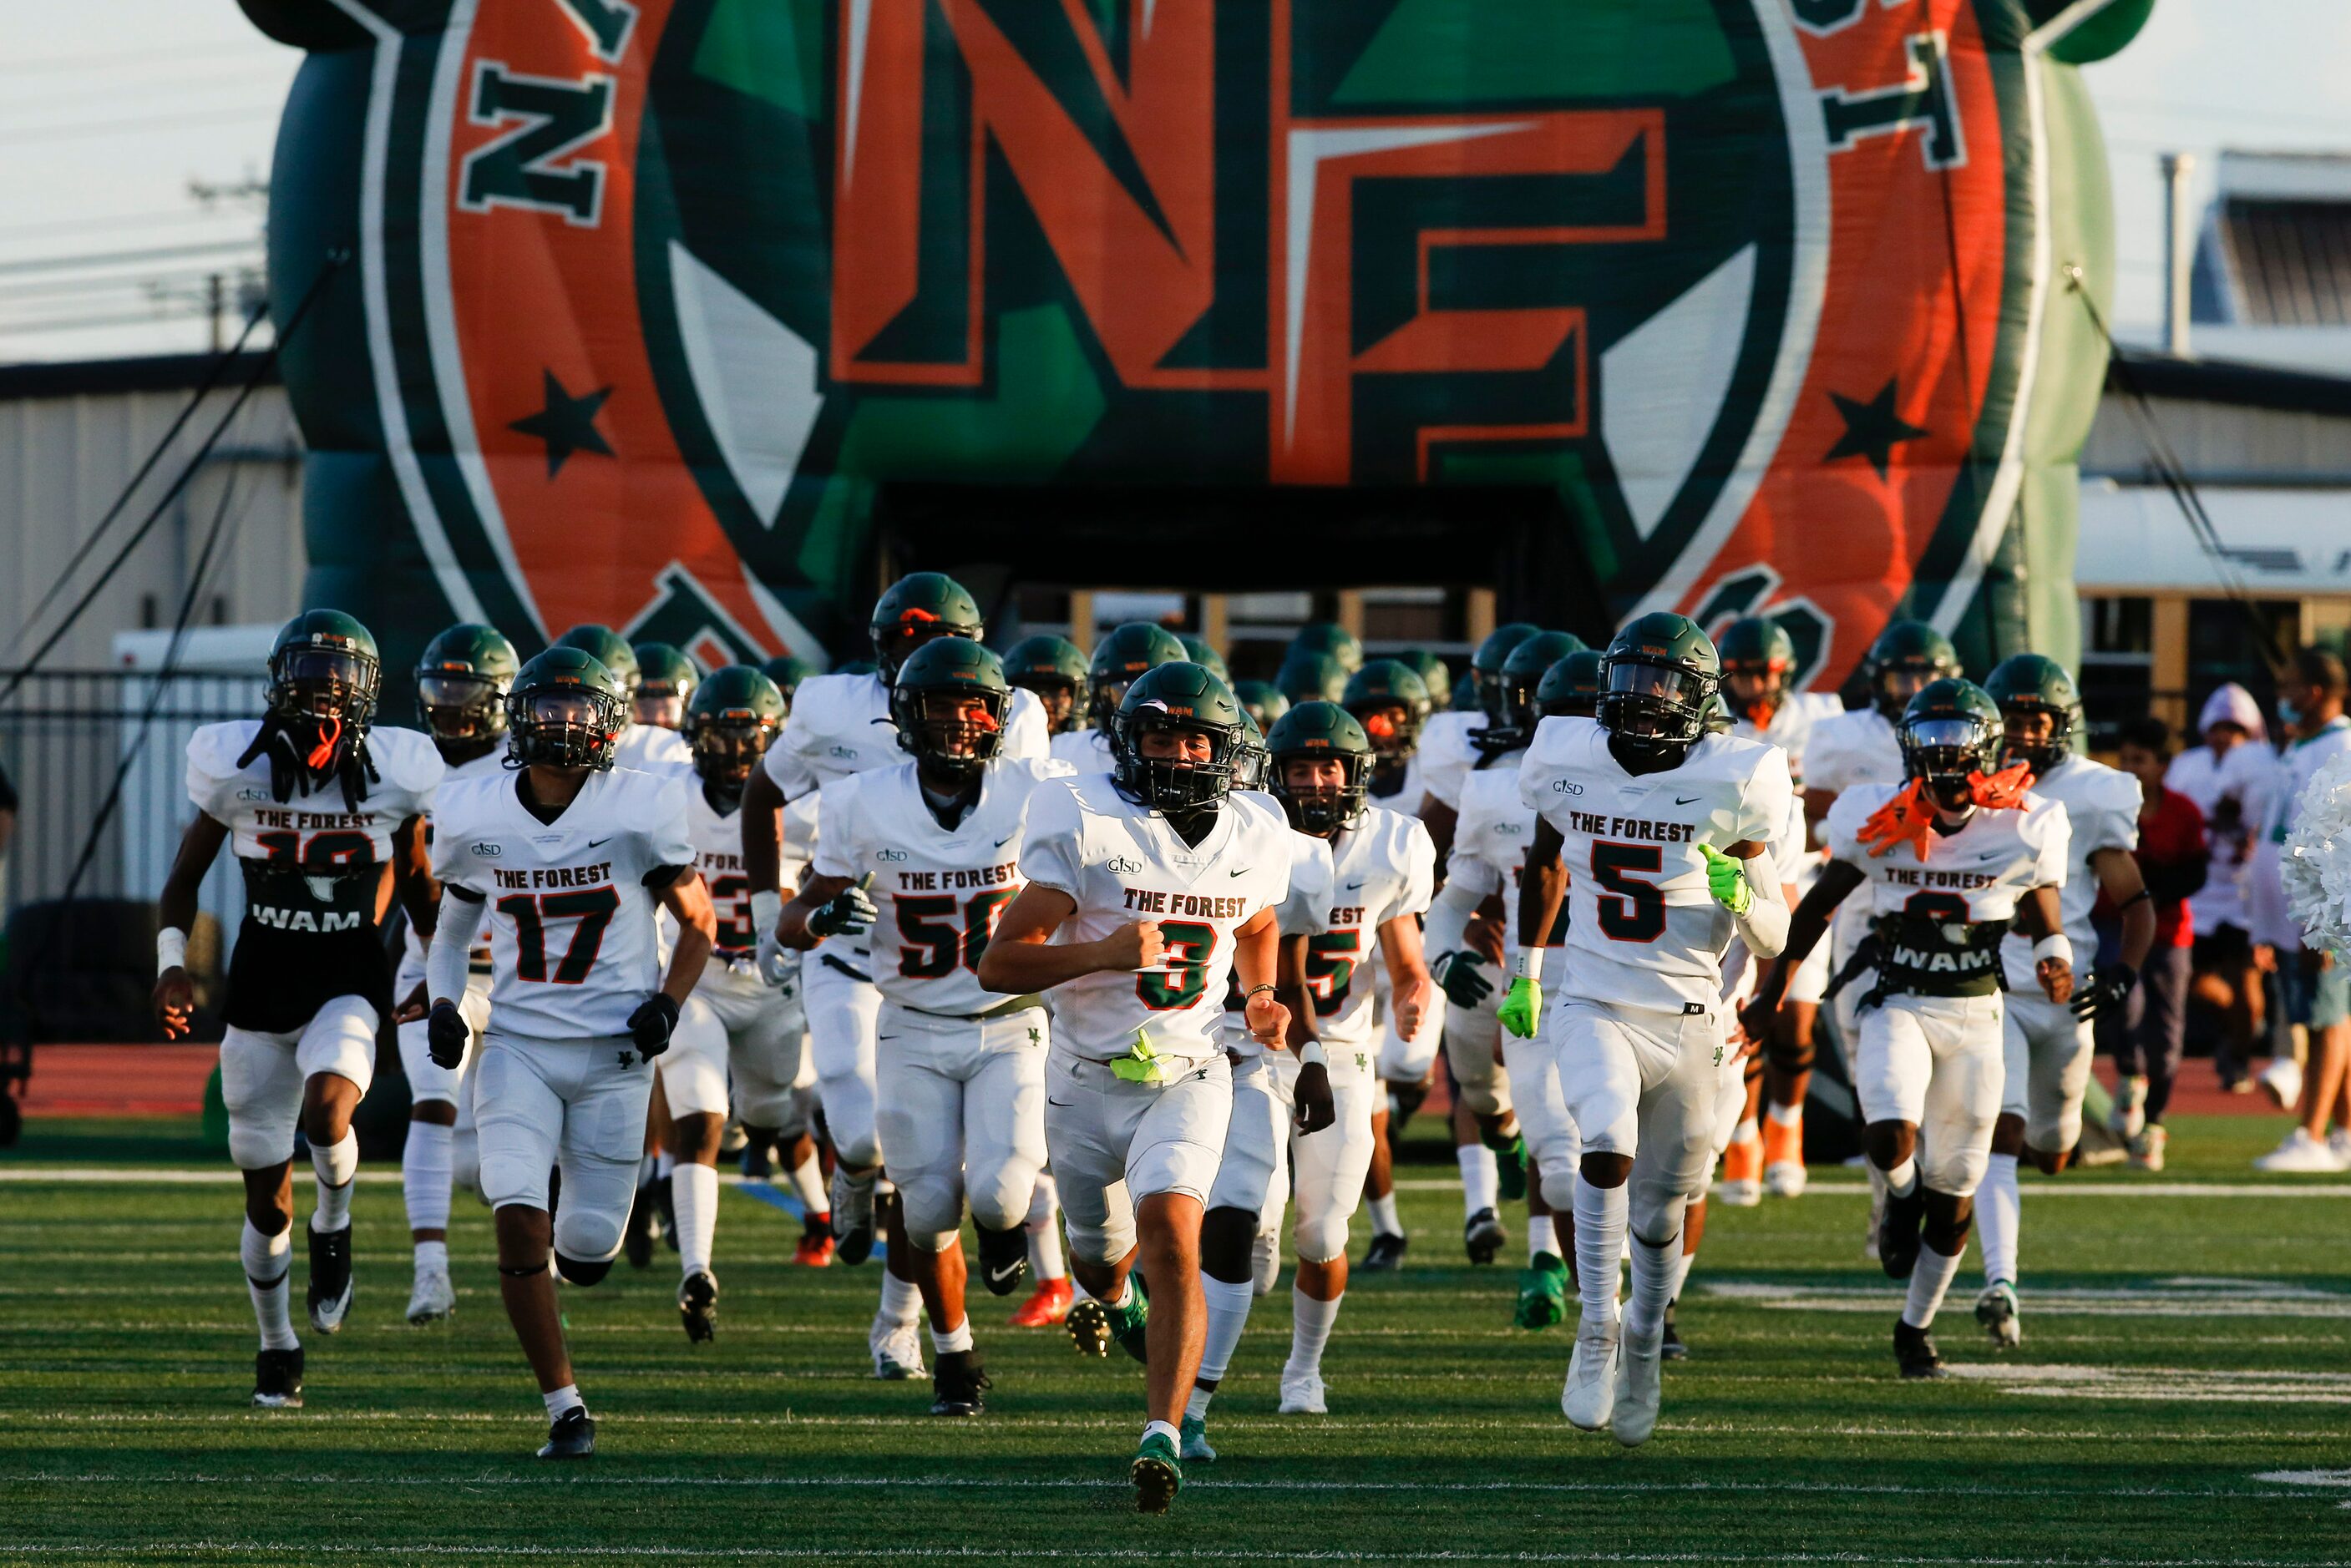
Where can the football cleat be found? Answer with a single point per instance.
(637, 1236)
(815, 1248)
(1482, 1235)
(573, 1435)
(1385, 1255)
(697, 1306)
(1897, 1232)
(1783, 1159)
(1510, 1166)
(852, 1216)
(960, 1387)
(1672, 1348)
(897, 1352)
(1301, 1394)
(1003, 1259)
(1046, 1306)
(1996, 1310)
(1915, 1352)
(433, 1298)
(1741, 1186)
(2147, 1150)
(1589, 1396)
(330, 1278)
(1195, 1440)
(1157, 1474)
(2301, 1153)
(2127, 1119)
(1094, 1323)
(1640, 1388)
(278, 1379)
(1543, 1293)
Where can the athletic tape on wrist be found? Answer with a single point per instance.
(1529, 965)
(171, 949)
(2054, 946)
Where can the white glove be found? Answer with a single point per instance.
(776, 963)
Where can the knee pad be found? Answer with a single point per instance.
(593, 1238)
(1000, 1201)
(1790, 1056)
(1655, 1213)
(259, 1148)
(929, 1201)
(1321, 1238)
(932, 1242)
(578, 1272)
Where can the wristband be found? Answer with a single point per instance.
(1528, 964)
(767, 905)
(1252, 990)
(171, 949)
(2054, 946)
(1310, 1054)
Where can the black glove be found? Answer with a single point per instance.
(447, 1034)
(1458, 976)
(1311, 1106)
(651, 1024)
(2109, 988)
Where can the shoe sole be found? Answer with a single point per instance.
(1925, 1373)
(1999, 1321)
(888, 1371)
(429, 1316)
(1089, 1327)
(700, 1320)
(852, 1249)
(277, 1401)
(549, 1451)
(954, 1410)
(1156, 1483)
(328, 1317)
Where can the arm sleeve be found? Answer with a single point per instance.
(1764, 927)
(448, 963)
(1419, 873)
(836, 839)
(1051, 855)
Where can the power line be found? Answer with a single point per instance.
(73, 131)
(55, 289)
(208, 81)
(104, 58)
(91, 323)
(123, 221)
(127, 258)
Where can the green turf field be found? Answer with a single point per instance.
(2181, 1351)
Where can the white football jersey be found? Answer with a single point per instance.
(649, 749)
(1087, 750)
(490, 765)
(1643, 929)
(300, 852)
(572, 937)
(1411, 787)
(1790, 728)
(1858, 746)
(1446, 755)
(939, 890)
(1494, 829)
(1121, 862)
(841, 724)
(2101, 807)
(1305, 911)
(1383, 868)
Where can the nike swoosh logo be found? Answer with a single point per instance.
(998, 1276)
(1352, 885)
(594, 843)
(1063, 1104)
(1688, 800)
(1242, 872)
(1003, 841)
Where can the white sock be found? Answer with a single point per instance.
(1654, 1272)
(1543, 1236)
(1601, 1214)
(1229, 1312)
(564, 1398)
(432, 1257)
(1928, 1282)
(1384, 1220)
(808, 1186)
(1163, 1429)
(1681, 1273)
(335, 1164)
(1785, 1115)
(1195, 1407)
(1748, 1130)
(1903, 1179)
(426, 1164)
(267, 1260)
(693, 1194)
(1045, 1232)
(1310, 1329)
(1998, 1216)
(1481, 1187)
(953, 1339)
(901, 1302)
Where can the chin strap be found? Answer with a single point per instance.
(1907, 818)
(2002, 791)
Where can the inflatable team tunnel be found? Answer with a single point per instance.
(696, 317)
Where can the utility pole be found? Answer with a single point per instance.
(2179, 249)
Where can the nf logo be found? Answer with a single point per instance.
(1120, 866)
(489, 851)
(1566, 786)
(889, 855)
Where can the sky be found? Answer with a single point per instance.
(111, 109)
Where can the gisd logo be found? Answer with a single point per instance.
(672, 289)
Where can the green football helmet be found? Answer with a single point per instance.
(1307, 676)
(1571, 688)
(788, 670)
(916, 609)
(1486, 666)
(1328, 637)
(324, 671)
(1128, 650)
(665, 681)
(1387, 697)
(1197, 650)
(1950, 732)
(1180, 696)
(2027, 684)
(1264, 704)
(461, 682)
(1521, 677)
(607, 648)
(1434, 673)
(1661, 676)
(949, 704)
(566, 710)
(1758, 657)
(1318, 732)
(1055, 669)
(1906, 656)
(730, 721)
(1249, 758)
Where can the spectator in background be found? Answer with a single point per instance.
(2317, 990)
(2147, 1039)
(2230, 777)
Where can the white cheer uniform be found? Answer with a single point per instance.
(961, 1069)
(575, 950)
(1115, 1142)
(2047, 1050)
(306, 985)
(1929, 1050)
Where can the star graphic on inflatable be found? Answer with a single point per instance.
(1871, 428)
(567, 424)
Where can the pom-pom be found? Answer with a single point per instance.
(2317, 859)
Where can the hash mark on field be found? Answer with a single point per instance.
(2163, 1384)
(285, 1551)
(2178, 1296)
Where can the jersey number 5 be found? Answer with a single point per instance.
(1185, 955)
(592, 907)
(1633, 911)
(1330, 969)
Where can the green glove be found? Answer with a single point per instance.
(1726, 878)
(1523, 1008)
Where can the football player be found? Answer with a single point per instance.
(644, 748)
(735, 1025)
(1053, 668)
(1306, 676)
(1446, 751)
(1948, 858)
(961, 1073)
(788, 670)
(1263, 704)
(665, 681)
(320, 810)
(1124, 652)
(2048, 1046)
(461, 691)
(1146, 888)
(1383, 867)
(568, 859)
(1200, 651)
(1331, 640)
(1434, 674)
(1661, 833)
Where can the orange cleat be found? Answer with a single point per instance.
(815, 1249)
(1047, 1306)
(1783, 1158)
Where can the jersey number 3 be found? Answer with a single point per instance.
(1186, 958)
(592, 907)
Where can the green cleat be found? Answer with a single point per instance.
(1156, 1474)
(1543, 1293)
(1510, 1160)
(1196, 1439)
(1094, 1323)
